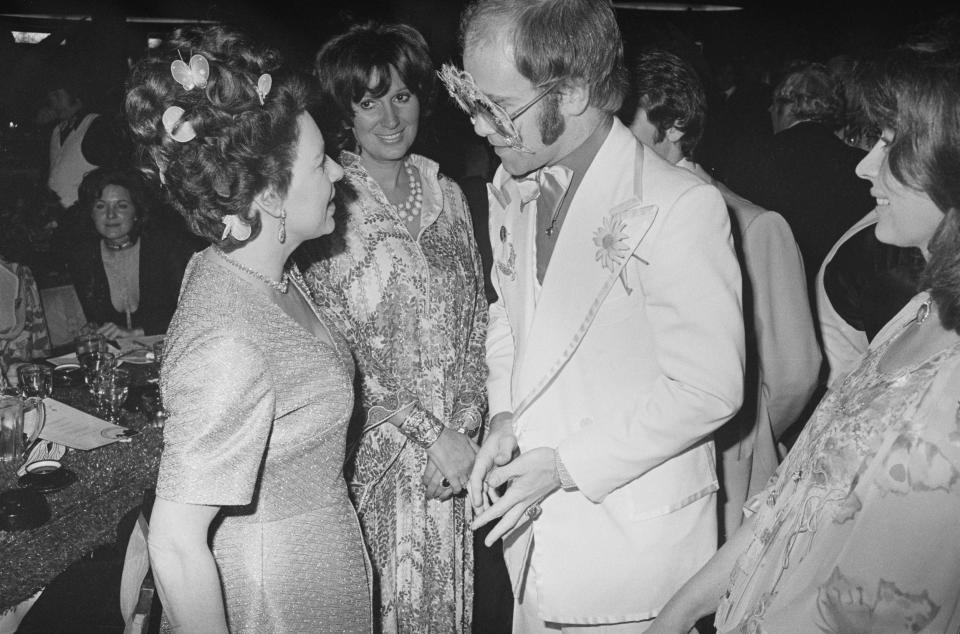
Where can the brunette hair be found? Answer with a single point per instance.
(914, 91)
(94, 182)
(670, 92)
(566, 40)
(346, 64)
(241, 148)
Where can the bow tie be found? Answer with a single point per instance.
(549, 182)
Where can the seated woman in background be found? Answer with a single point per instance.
(258, 387)
(857, 532)
(23, 328)
(128, 277)
(407, 292)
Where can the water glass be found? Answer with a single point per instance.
(94, 364)
(85, 344)
(35, 380)
(110, 390)
(12, 412)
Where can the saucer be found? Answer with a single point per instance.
(46, 476)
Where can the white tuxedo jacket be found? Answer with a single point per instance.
(628, 360)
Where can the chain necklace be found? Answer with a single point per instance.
(410, 208)
(280, 287)
(128, 242)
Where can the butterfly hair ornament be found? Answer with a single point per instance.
(234, 226)
(192, 75)
(264, 84)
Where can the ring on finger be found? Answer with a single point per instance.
(445, 483)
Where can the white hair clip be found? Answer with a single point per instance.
(181, 131)
(264, 84)
(234, 226)
(193, 75)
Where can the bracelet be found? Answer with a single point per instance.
(422, 428)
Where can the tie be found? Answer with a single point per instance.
(554, 181)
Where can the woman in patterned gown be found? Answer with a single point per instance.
(857, 531)
(258, 386)
(407, 291)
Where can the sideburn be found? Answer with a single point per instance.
(550, 121)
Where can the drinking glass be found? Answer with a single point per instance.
(94, 364)
(12, 439)
(110, 390)
(35, 380)
(85, 344)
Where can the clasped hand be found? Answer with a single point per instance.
(450, 458)
(531, 476)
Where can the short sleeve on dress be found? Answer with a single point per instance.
(221, 404)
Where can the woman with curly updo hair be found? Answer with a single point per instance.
(258, 385)
(407, 292)
(857, 531)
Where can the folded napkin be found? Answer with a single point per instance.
(43, 450)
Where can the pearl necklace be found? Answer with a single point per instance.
(410, 208)
(280, 287)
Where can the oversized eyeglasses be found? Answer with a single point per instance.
(475, 103)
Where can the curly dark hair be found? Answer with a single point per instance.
(94, 181)
(914, 91)
(241, 147)
(346, 64)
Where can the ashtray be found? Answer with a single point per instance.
(67, 375)
(46, 476)
(21, 509)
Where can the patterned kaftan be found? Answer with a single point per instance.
(859, 530)
(415, 314)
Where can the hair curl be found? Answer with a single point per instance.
(241, 147)
(346, 64)
(814, 93)
(670, 92)
(567, 40)
(914, 91)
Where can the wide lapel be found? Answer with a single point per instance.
(579, 277)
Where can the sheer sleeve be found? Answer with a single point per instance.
(221, 403)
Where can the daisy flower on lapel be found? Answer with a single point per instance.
(611, 241)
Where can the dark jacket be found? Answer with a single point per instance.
(163, 258)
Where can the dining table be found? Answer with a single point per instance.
(110, 481)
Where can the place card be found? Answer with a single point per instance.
(71, 427)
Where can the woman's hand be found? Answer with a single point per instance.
(112, 331)
(433, 481)
(453, 453)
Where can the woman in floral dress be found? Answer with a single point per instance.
(406, 288)
(857, 531)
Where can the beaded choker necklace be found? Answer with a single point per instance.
(280, 287)
(118, 247)
(410, 208)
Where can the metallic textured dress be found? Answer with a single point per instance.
(258, 415)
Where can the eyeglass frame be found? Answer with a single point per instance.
(512, 136)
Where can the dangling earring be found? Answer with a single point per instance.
(282, 237)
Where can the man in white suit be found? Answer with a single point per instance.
(616, 345)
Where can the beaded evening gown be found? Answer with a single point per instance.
(415, 314)
(258, 417)
(857, 531)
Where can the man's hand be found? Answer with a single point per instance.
(532, 477)
(499, 447)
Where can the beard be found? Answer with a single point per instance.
(550, 121)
